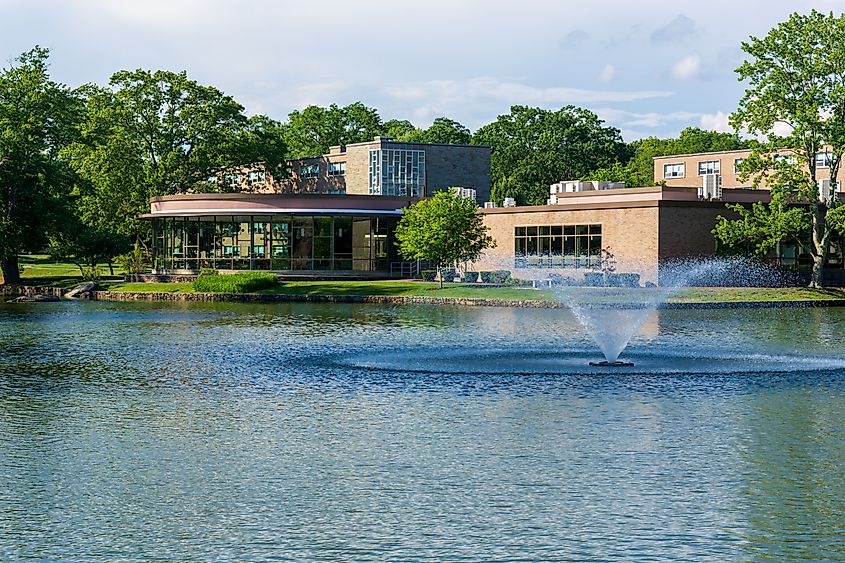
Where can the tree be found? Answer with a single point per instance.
(446, 229)
(313, 130)
(88, 246)
(159, 133)
(796, 99)
(37, 118)
(761, 227)
(397, 128)
(443, 130)
(533, 148)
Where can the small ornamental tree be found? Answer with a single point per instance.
(444, 230)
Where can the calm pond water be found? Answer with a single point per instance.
(205, 432)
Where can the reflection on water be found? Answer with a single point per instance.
(196, 432)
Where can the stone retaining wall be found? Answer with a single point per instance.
(32, 290)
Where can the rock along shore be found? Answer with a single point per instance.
(391, 299)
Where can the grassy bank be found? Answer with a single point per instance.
(392, 288)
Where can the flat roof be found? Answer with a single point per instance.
(702, 153)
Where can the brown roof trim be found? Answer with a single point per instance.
(276, 196)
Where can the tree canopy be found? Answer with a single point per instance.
(160, 133)
(442, 130)
(311, 131)
(795, 101)
(533, 148)
(37, 119)
(446, 229)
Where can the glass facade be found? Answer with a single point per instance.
(274, 242)
(557, 246)
(397, 172)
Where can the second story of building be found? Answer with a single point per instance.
(689, 170)
(379, 167)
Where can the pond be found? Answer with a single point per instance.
(197, 432)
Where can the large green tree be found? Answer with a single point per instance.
(795, 100)
(446, 229)
(160, 133)
(37, 118)
(533, 148)
(442, 130)
(311, 131)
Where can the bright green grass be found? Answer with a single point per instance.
(40, 269)
(342, 287)
(732, 294)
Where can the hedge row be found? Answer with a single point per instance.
(246, 282)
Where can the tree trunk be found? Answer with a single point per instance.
(111, 269)
(821, 246)
(440, 272)
(11, 272)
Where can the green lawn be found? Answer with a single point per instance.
(721, 294)
(40, 269)
(341, 287)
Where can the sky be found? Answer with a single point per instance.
(648, 67)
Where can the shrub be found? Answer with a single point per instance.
(208, 272)
(448, 276)
(470, 277)
(135, 261)
(594, 279)
(90, 273)
(501, 276)
(487, 277)
(245, 282)
(428, 275)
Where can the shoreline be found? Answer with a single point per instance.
(184, 297)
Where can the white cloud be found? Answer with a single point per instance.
(607, 73)
(716, 122)
(514, 92)
(686, 68)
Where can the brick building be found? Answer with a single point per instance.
(379, 167)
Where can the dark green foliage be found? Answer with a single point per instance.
(533, 148)
(443, 130)
(428, 275)
(245, 282)
(159, 133)
(37, 119)
(311, 131)
(470, 277)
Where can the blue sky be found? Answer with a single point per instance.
(648, 67)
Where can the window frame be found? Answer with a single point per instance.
(717, 169)
(683, 170)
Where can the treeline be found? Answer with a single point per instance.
(78, 165)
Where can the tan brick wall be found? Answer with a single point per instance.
(630, 233)
(686, 231)
(726, 165)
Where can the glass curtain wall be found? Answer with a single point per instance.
(274, 242)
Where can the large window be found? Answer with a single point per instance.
(823, 159)
(673, 170)
(337, 168)
(309, 170)
(397, 172)
(708, 167)
(557, 246)
(274, 242)
(738, 165)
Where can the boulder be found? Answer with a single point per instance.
(82, 289)
(37, 298)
